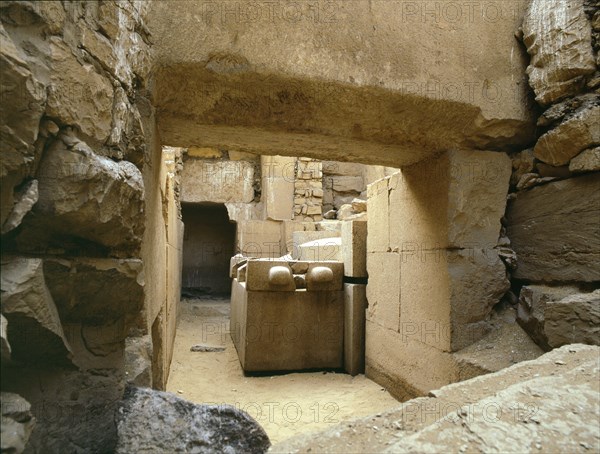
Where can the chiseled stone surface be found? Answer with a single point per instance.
(354, 248)
(217, 181)
(251, 97)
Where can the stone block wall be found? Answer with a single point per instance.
(308, 190)
(434, 268)
(553, 217)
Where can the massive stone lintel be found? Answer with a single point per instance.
(319, 92)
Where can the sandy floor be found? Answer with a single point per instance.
(285, 405)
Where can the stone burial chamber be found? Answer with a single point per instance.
(408, 192)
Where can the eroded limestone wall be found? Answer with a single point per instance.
(89, 219)
(552, 222)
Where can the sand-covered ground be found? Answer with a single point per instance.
(285, 405)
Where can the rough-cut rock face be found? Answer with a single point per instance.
(586, 161)
(558, 38)
(95, 291)
(156, 422)
(574, 319)
(25, 199)
(5, 344)
(558, 146)
(35, 329)
(556, 316)
(85, 196)
(20, 118)
(531, 311)
(17, 423)
(555, 232)
(74, 410)
(92, 108)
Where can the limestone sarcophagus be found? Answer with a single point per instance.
(288, 315)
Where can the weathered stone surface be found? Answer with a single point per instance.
(347, 183)
(79, 95)
(23, 97)
(277, 174)
(355, 306)
(556, 316)
(36, 333)
(586, 161)
(153, 422)
(548, 171)
(351, 169)
(574, 319)
(558, 146)
(541, 399)
(345, 212)
(383, 290)
(566, 109)
(470, 305)
(5, 347)
(378, 209)
(75, 411)
(531, 313)
(204, 153)
(269, 275)
(258, 98)
(454, 201)
(354, 248)
(304, 236)
(25, 199)
(555, 232)
(19, 118)
(17, 423)
(359, 205)
(259, 239)
(217, 181)
(324, 249)
(95, 291)
(85, 196)
(558, 39)
(138, 360)
(506, 344)
(527, 407)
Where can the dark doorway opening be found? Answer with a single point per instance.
(208, 244)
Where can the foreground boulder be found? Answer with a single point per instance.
(151, 421)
